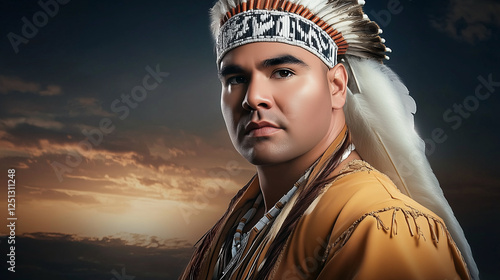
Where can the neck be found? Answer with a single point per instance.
(277, 179)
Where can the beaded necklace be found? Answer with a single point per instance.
(273, 212)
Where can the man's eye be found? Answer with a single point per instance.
(283, 73)
(235, 80)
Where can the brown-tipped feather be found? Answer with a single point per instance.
(299, 9)
(275, 4)
(281, 6)
(258, 4)
(266, 5)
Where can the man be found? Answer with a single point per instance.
(313, 127)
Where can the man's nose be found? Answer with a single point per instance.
(258, 94)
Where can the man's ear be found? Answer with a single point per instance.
(337, 83)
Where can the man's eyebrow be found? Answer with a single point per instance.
(279, 60)
(230, 69)
(284, 59)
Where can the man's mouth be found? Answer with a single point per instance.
(261, 129)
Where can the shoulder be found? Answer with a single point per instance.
(361, 189)
(361, 192)
(386, 229)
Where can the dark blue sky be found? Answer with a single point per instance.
(67, 76)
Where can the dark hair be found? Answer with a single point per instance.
(305, 198)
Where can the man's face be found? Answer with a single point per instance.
(276, 101)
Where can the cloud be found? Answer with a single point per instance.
(86, 106)
(61, 195)
(470, 21)
(119, 239)
(155, 165)
(33, 121)
(159, 149)
(15, 84)
(51, 90)
(142, 240)
(172, 183)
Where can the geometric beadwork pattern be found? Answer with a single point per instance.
(276, 26)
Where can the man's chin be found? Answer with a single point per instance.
(263, 158)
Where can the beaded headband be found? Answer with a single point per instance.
(325, 28)
(276, 26)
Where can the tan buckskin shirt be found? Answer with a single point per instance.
(360, 227)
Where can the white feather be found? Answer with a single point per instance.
(315, 5)
(380, 119)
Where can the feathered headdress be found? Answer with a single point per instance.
(379, 110)
(317, 25)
